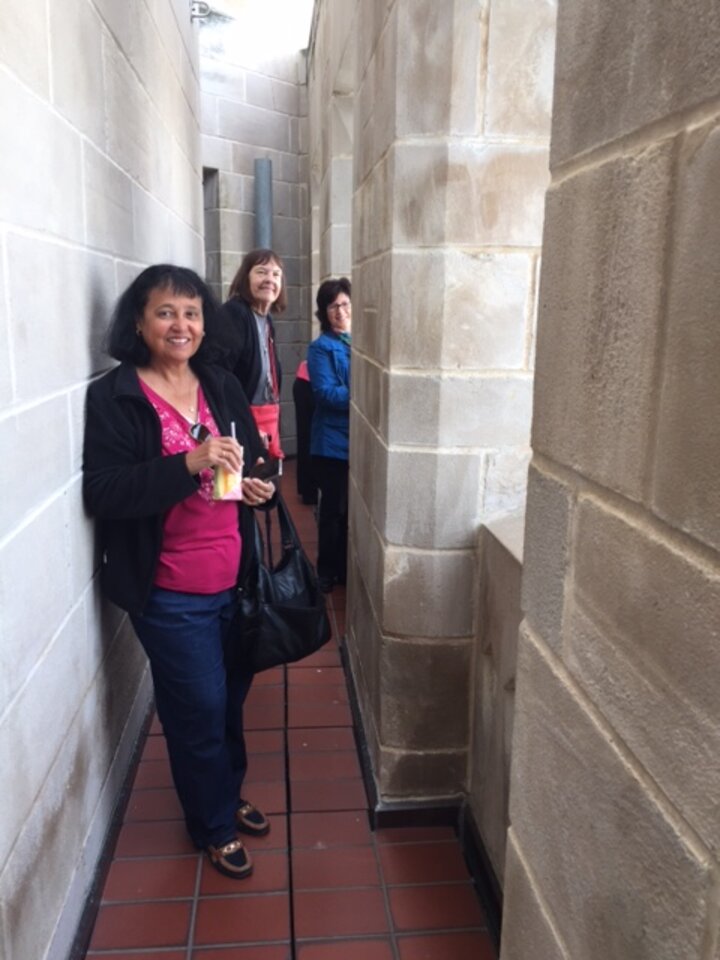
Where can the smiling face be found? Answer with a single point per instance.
(339, 314)
(171, 326)
(265, 281)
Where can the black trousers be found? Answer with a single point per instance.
(304, 406)
(331, 476)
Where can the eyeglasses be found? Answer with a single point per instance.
(337, 307)
(199, 432)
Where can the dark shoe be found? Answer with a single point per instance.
(250, 820)
(231, 859)
(326, 584)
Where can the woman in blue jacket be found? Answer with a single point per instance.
(329, 369)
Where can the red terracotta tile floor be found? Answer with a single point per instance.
(325, 887)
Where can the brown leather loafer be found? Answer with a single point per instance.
(231, 859)
(250, 820)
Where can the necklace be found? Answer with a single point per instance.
(186, 403)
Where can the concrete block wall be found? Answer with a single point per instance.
(99, 175)
(615, 772)
(253, 107)
(451, 108)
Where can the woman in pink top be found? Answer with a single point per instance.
(157, 426)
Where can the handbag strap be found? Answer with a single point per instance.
(268, 538)
(288, 533)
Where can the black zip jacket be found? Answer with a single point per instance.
(241, 345)
(128, 485)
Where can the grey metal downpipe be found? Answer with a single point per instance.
(263, 203)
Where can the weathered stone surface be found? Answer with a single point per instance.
(458, 309)
(424, 78)
(131, 122)
(505, 481)
(222, 79)
(209, 123)
(183, 197)
(521, 57)
(237, 232)
(252, 125)
(6, 375)
(51, 461)
(30, 175)
(364, 645)
(493, 691)
(77, 81)
(428, 594)
(286, 235)
(271, 94)
(68, 799)
(341, 126)
(424, 694)
(641, 635)
(469, 192)
(433, 499)
(366, 544)
(185, 246)
(108, 205)
(531, 931)
(373, 205)
(425, 410)
(369, 392)
(40, 546)
(416, 333)
(547, 549)
(121, 20)
(598, 326)
(616, 86)
(645, 887)
(336, 250)
(24, 42)
(495, 193)
(217, 153)
(420, 173)
(685, 486)
(469, 66)
(372, 306)
(150, 227)
(369, 457)
(51, 354)
(426, 775)
(487, 310)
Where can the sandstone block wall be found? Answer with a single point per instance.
(99, 175)
(449, 154)
(255, 106)
(615, 774)
(331, 88)
(500, 573)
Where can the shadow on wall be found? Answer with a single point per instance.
(99, 310)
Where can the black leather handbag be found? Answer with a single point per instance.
(281, 615)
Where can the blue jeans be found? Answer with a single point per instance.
(199, 705)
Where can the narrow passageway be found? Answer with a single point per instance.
(325, 887)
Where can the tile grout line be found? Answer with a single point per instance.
(386, 899)
(194, 908)
(288, 817)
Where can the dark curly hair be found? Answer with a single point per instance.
(122, 341)
(328, 291)
(240, 286)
